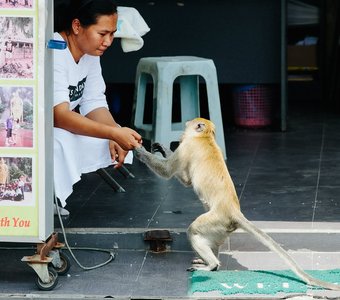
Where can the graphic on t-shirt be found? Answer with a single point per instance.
(76, 92)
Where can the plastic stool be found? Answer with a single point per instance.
(164, 71)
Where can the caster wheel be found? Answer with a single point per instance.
(65, 264)
(53, 275)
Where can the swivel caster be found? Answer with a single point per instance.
(63, 265)
(51, 283)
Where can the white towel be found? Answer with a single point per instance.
(130, 28)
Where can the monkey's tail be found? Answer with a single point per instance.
(265, 239)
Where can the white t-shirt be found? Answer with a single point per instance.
(79, 83)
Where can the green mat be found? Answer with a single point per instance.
(256, 282)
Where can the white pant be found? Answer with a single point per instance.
(77, 154)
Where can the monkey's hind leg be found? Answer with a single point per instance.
(199, 261)
(205, 245)
(208, 261)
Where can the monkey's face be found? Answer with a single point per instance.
(199, 127)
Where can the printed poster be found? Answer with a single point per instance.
(21, 120)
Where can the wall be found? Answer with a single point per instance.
(241, 36)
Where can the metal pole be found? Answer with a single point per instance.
(283, 65)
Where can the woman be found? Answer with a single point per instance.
(86, 137)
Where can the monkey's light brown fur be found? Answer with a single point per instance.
(198, 162)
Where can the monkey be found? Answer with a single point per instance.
(198, 162)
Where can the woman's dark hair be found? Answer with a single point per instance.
(86, 11)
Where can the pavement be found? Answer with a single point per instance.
(288, 185)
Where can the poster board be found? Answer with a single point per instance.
(26, 131)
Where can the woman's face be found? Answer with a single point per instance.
(95, 39)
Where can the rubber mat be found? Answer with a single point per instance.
(256, 282)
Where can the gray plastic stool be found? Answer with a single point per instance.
(164, 71)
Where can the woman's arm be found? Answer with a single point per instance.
(102, 115)
(98, 123)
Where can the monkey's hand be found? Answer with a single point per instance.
(163, 167)
(141, 154)
(157, 147)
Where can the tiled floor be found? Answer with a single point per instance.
(289, 178)
(279, 176)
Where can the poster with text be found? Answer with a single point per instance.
(26, 208)
(16, 190)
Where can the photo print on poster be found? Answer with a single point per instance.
(16, 181)
(16, 47)
(16, 117)
(16, 4)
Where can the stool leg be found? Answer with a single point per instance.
(126, 172)
(139, 101)
(215, 112)
(190, 105)
(110, 181)
(163, 114)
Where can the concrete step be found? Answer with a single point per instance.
(296, 236)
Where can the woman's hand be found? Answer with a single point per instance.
(117, 154)
(127, 138)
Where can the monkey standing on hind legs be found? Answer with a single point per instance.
(198, 162)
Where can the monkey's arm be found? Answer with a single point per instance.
(164, 167)
(157, 147)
